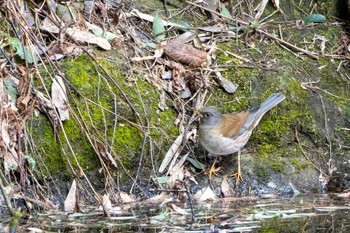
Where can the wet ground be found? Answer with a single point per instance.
(316, 213)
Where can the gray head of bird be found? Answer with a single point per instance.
(208, 116)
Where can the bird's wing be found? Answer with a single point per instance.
(232, 123)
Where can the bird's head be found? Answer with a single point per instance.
(209, 116)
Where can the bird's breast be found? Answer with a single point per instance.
(217, 144)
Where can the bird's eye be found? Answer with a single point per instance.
(207, 115)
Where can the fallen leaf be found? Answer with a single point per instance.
(260, 9)
(185, 54)
(225, 188)
(228, 86)
(126, 198)
(76, 34)
(170, 154)
(314, 18)
(205, 194)
(158, 28)
(106, 205)
(71, 199)
(178, 209)
(59, 97)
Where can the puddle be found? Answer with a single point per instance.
(299, 214)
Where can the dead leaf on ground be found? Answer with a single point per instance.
(126, 198)
(110, 161)
(71, 201)
(24, 91)
(178, 209)
(260, 9)
(225, 188)
(226, 84)
(171, 153)
(59, 97)
(106, 205)
(176, 175)
(77, 34)
(205, 194)
(178, 82)
(185, 54)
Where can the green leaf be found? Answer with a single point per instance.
(31, 161)
(314, 18)
(182, 24)
(10, 88)
(151, 45)
(196, 164)
(101, 33)
(158, 28)
(22, 53)
(161, 179)
(225, 12)
(161, 217)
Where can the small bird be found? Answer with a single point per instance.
(224, 134)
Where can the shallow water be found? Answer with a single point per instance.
(316, 213)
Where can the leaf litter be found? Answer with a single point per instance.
(189, 56)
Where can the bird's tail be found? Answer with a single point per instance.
(270, 102)
(257, 113)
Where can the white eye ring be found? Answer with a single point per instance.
(207, 115)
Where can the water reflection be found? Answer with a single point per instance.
(249, 214)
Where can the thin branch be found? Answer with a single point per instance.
(304, 153)
(304, 51)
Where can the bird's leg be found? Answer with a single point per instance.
(212, 168)
(238, 175)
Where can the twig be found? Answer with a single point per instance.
(191, 204)
(216, 13)
(247, 67)
(328, 137)
(304, 51)
(307, 85)
(304, 153)
(127, 101)
(6, 198)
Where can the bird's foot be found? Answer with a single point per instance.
(238, 176)
(213, 170)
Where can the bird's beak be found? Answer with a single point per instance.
(197, 112)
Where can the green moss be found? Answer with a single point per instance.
(277, 166)
(261, 171)
(104, 96)
(48, 157)
(298, 164)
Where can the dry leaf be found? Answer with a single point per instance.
(179, 210)
(24, 91)
(260, 9)
(77, 34)
(170, 154)
(126, 198)
(110, 161)
(185, 37)
(59, 97)
(150, 18)
(228, 86)
(71, 200)
(185, 54)
(205, 194)
(225, 188)
(106, 205)
(157, 54)
(35, 230)
(178, 83)
(176, 174)
(343, 195)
